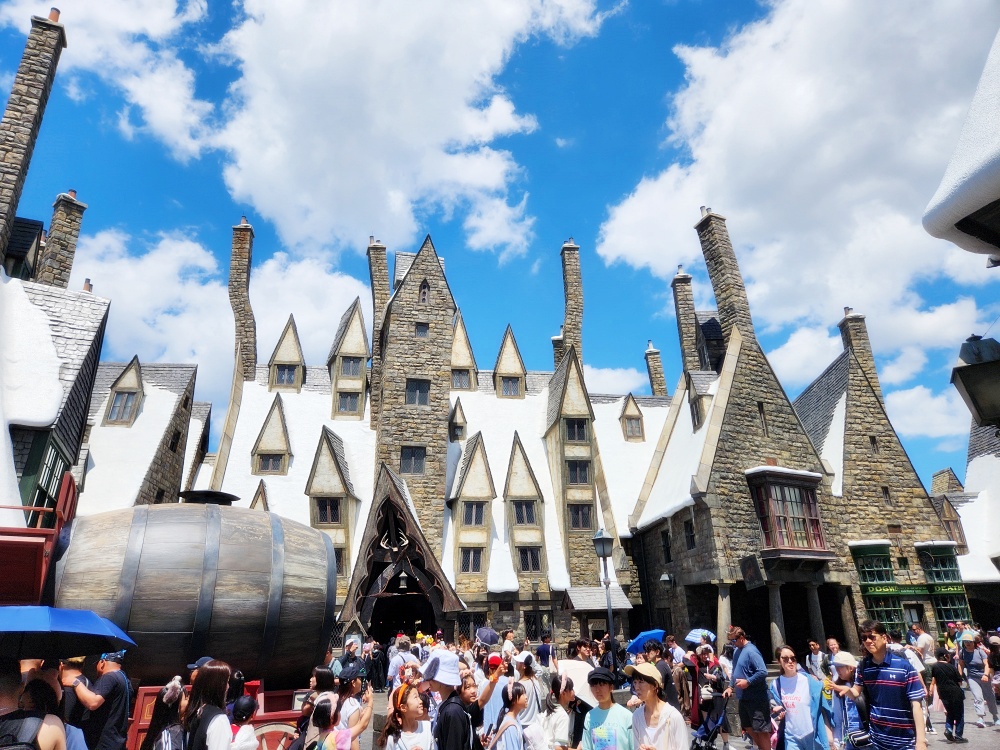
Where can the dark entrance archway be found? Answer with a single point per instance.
(401, 613)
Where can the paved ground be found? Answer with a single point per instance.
(979, 739)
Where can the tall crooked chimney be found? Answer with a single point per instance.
(23, 117)
(654, 366)
(56, 262)
(378, 270)
(724, 272)
(572, 328)
(854, 334)
(687, 323)
(239, 297)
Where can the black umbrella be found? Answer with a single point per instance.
(52, 633)
(487, 636)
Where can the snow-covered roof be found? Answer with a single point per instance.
(980, 520)
(833, 445)
(589, 598)
(783, 470)
(198, 427)
(972, 178)
(624, 461)
(306, 414)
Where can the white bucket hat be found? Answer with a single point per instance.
(442, 666)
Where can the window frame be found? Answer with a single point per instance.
(332, 502)
(511, 380)
(131, 406)
(350, 367)
(340, 402)
(690, 535)
(665, 546)
(259, 463)
(533, 556)
(575, 511)
(528, 507)
(417, 389)
(285, 368)
(573, 426)
(573, 472)
(628, 421)
(477, 510)
(780, 528)
(458, 372)
(470, 560)
(415, 452)
(422, 329)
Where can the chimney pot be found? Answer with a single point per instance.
(45, 235)
(54, 15)
(71, 193)
(649, 343)
(848, 311)
(87, 286)
(705, 210)
(243, 220)
(371, 239)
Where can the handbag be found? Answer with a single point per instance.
(860, 737)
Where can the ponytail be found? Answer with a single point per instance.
(558, 685)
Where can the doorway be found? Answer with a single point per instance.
(401, 613)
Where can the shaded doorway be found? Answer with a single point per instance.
(751, 611)
(406, 613)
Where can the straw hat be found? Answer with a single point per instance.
(647, 670)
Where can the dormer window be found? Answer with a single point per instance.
(424, 295)
(270, 463)
(284, 374)
(633, 428)
(510, 387)
(123, 407)
(286, 367)
(576, 430)
(631, 421)
(460, 380)
(350, 367)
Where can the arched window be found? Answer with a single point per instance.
(425, 292)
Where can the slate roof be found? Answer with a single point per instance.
(23, 234)
(589, 598)
(170, 377)
(556, 386)
(957, 500)
(200, 410)
(709, 322)
(317, 378)
(534, 382)
(402, 266)
(608, 398)
(337, 445)
(77, 321)
(983, 441)
(816, 404)
(701, 381)
(345, 321)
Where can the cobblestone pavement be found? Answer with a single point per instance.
(979, 739)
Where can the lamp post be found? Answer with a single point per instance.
(603, 542)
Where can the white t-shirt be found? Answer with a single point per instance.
(795, 698)
(351, 706)
(556, 728)
(508, 648)
(677, 653)
(423, 738)
(925, 644)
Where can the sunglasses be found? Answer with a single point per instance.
(870, 636)
(788, 658)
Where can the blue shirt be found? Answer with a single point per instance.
(749, 665)
(890, 685)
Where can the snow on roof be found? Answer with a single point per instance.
(203, 477)
(31, 393)
(980, 520)
(120, 455)
(497, 419)
(672, 489)
(978, 569)
(782, 470)
(972, 178)
(625, 462)
(590, 598)
(201, 412)
(833, 445)
(306, 414)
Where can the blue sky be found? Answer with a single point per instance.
(820, 129)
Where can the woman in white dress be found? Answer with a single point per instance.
(656, 725)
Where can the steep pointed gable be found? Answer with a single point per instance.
(413, 270)
(475, 479)
(329, 474)
(273, 436)
(259, 501)
(462, 356)
(125, 395)
(567, 391)
(351, 334)
(288, 349)
(521, 480)
(509, 360)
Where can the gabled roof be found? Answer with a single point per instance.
(457, 415)
(569, 367)
(473, 448)
(259, 501)
(330, 442)
(170, 377)
(702, 380)
(409, 261)
(630, 407)
(460, 345)
(818, 402)
(517, 454)
(508, 344)
(275, 419)
(342, 328)
(708, 321)
(288, 341)
(405, 260)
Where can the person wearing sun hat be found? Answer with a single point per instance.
(453, 728)
(655, 723)
(845, 716)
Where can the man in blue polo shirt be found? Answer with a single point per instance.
(893, 691)
(750, 684)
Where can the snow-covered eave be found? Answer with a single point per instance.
(665, 513)
(938, 543)
(977, 568)
(869, 543)
(783, 470)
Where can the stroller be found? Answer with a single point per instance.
(706, 734)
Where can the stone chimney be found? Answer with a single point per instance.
(572, 328)
(239, 297)
(654, 366)
(687, 324)
(854, 334)
(378, 270)
(724, 271)
(56, 262)
(23, 116)
(945, 482)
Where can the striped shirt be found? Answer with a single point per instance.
(890, 687)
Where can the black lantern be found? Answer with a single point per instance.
(977, 379)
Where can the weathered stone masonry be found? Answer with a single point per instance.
(239, 297)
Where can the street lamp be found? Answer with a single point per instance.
(603, 542)
(976, 377)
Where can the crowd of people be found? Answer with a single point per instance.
(515, 695)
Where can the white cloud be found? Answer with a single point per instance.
(170, 303)
(821, 132)
(918, 412)
(804, 356)
(904, 367)
(614, 379)
(564, 142)
(130, 45)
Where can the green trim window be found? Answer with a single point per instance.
(886, 609)
(46, 492)
(940, 566)
(874, 569)
(951, 607)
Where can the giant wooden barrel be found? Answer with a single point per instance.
(245, 586)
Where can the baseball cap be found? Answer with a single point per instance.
(522, 657)
(600, 674)
(495, 660)
(994, 640)
(201, 662)
(116, 656)
(351, 672)
(845, 659)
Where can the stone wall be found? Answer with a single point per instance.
(56, 262)
(378, 269)
(730, 294)
(239, 297)
(944, 482)
(23, 117)
(654, 367)
(572, 330)
(854, 334)
(687, 325)
(166, 471)
(428, 358)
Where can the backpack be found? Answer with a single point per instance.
(20, 733)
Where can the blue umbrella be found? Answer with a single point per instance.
(635, 647)
(488, 636)
(695, 635)
(52, 633)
